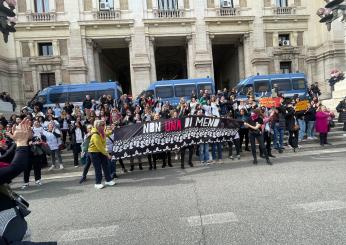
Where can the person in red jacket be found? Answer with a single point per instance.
(323, 116)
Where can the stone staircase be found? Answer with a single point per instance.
(336, 137)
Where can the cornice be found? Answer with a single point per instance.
(230, 19)
(285, 18)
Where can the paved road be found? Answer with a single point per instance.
(298, 200)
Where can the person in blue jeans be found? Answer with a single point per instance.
(204, 153)
(216, 146)
(310, 119)
(302, 125)
(278, 125)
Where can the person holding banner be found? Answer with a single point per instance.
(254, 124)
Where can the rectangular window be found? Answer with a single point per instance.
(45, 49)
(226, 3)
(283, 84)
(41, 6)
(281, 3)
(164, 92)
(262, 86)
(284, 40)
(47, 80)
(286, 67)
(298, 84)
(106, 4)
(167, 4)
(184, 90)
(99, 93)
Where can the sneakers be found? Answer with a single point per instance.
(62, 166)
(110, 183)
(38, 182)
(231, 157)
(76, 166)
(26, 185)
(51, 168)
(99, 186)
(220, 161)
(238, 156)
(211, 161)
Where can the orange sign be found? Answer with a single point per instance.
(302, 105)
(270, 102)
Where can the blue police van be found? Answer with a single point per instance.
(75, 93)
(289, 85)
(173, 90)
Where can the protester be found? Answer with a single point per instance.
(254, 124)
(77, 132)
(341, 109)
(99, 155)
(52, 136)
(323, 117)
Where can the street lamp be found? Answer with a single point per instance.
(7, 18)
(332, 11)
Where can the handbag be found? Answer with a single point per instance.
(296, 126)
(13, 226)
(331, 124)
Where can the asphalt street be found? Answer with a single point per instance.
(301, 199)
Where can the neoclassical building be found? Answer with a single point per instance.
(137, 42)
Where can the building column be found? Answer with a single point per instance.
(29, 6)
(32, 49)
(241, 61)
(217, 4)
(132, 72)
(97, 52)
(181, 4)
(58, 76)
(116, 4)
(247, 58)
(90, 59)
(56, 51)
(189, 58)
(152, 58)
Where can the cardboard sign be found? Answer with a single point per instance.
(302, 105)
(270, 102)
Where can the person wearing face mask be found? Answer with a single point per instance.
(254, 124)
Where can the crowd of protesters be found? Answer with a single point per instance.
(86, 130)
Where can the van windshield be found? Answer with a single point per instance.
(164, 92)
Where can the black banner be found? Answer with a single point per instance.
(171, 134)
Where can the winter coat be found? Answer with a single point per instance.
(97, 143)
(342, 114)
(322, 122)
(290, 119)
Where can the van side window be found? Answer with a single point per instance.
(262, 86)
(184, 90)
(99, 93)
(149, 93)
(298, 84)
(58, 98)
(204, 87)
(283, 84)
(78, 96)
(164, 92)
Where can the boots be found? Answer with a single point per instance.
(270, 154)
(269, 162)
(140, 166)
(255, 161)
(132, 168)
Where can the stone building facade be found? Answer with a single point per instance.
(140, 41)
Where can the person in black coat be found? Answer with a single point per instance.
(20, 162)
(291, 126)
(341, 109)
(254, 124)
(77, 132)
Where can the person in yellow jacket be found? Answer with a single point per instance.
(99, 155)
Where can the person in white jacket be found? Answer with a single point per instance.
(53, 140)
